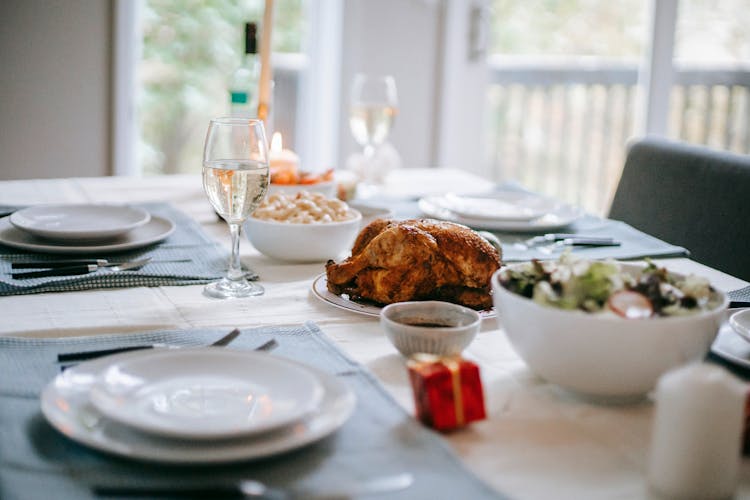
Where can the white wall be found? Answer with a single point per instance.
(54, 88)
(397, 37)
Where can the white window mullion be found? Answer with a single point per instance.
(125, 51)
(657, 74)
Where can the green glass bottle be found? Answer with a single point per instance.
(243, 84)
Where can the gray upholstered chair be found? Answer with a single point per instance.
(690, 196)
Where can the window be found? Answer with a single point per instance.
(189, 50)
(562, 94)
(565, 94)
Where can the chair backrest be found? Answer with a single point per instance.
(689, 196)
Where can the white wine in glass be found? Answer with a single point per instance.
(372, 109)
(235, 179)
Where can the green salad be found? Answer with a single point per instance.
(596, 286)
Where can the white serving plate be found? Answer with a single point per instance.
(66, 405)
(156, 230)
(87, 222)
(205, 393)
(548, 214)
(320, 290)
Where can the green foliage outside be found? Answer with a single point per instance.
(190, 48)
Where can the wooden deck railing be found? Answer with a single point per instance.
(562, 129)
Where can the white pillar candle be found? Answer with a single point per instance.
(697, 433)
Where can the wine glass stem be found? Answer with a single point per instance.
(235, 268)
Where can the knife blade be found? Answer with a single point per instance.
(73, 262)
(551, 237)
(249, 488)
(81, 269)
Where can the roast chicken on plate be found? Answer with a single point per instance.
(418, 259)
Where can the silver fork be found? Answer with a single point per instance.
(86, 355)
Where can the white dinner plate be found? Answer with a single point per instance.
(66, 405)
(320, 290)
(157, 229)
(548, 214)
(730, 345)
(740, 322)
(205, 393)
(71, 223)
(511, 207)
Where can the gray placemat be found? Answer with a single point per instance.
(379, 439)
(740, 295)
(634, 244)
(201, 260)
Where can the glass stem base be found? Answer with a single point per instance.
(227, 288)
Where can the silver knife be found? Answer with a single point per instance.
(81, 269)
(249, 488)
(72, 262)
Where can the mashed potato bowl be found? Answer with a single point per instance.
(602, 355)
(303, 242)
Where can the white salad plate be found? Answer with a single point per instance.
(65, 403)
(205, 393)
(73, 223)
(520, 212)
(730, 344)
(154, 231)
(320, 290)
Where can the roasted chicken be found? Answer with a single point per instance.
(419, 259)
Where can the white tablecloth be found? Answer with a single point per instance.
(538, 442)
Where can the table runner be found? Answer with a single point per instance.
(207, 262)
(634, 244)
(379, 439)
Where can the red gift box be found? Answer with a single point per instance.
(447, 391)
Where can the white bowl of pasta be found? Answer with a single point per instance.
(303, 227)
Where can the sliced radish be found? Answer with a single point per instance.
(631, 305)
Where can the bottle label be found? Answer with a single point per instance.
(239, 97)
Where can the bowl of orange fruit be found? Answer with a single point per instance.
(287, 180)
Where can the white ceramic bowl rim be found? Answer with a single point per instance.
(356, 219)
(390, 310)
(724, 300)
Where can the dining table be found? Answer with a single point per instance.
(538, 440)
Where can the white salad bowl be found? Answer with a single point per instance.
(603, 355)
(297, 242)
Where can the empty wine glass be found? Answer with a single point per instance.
(373, 107)
(235, 178)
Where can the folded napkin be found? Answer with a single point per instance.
(379, 439)
(205, 261)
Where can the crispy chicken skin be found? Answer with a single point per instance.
(418, 259)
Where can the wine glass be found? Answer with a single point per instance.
(373, 107)
(235, 178)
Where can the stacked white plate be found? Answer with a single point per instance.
(82, 229)
(204, 405)
(506, 211)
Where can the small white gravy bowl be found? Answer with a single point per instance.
(431, 327)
